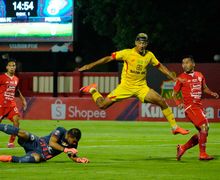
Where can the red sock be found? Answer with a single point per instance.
(12, 138)
(192, 142)
(202, 141)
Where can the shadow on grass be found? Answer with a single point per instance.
(59, 161)
(216, 157)
(166, 159)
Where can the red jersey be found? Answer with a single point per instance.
(191, 89)
(8, 86)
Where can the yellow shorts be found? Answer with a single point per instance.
(124, 92)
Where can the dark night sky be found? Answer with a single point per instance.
(202, 43)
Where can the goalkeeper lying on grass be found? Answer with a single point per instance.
(39, 149)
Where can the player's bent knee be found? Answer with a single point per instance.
(23, 134)
(204, 127)
(28, 158)
(162, 103)
(16, 119)
(103, 106)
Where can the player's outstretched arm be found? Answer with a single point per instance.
(103, 60)
(178, 102)
(55, 145)
(170, 75)
(208, 91)
(166, 72)
(23, 100)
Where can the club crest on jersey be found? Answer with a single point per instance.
(200, 79)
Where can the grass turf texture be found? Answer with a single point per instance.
(35, 30)
(117, 150)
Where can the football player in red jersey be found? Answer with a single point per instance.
(192, 88)
(8, 90)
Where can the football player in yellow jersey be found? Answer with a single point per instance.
(133, 80)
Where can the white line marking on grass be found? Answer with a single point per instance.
(94, 140)
(157, 145)
(128, 145)
(2, 149)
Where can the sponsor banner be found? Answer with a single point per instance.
(42, 47)
(150, 112)
(77, 109)
(58, 110)
(85, 109)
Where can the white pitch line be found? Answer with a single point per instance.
(160, 145)
(10, 149)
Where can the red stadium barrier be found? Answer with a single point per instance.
(40, 83)
(69, 83)
(35, 85)
(85, 109)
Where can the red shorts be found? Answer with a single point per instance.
(196, 115)
(8, 112)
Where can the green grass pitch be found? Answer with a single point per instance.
(35, 30)
(118, 150)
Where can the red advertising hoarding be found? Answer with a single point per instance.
(126, 110)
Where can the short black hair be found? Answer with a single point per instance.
(189, 57)
(11, 60)
(142, 37)
(75, 132)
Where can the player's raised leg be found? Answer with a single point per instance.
(12, 130)
(102, 103)
(154, 98)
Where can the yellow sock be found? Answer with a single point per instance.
(96, 95)
(170, 117)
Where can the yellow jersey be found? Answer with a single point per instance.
(135, 66)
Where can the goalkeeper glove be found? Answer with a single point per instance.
(70, 150)
(81, 160)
